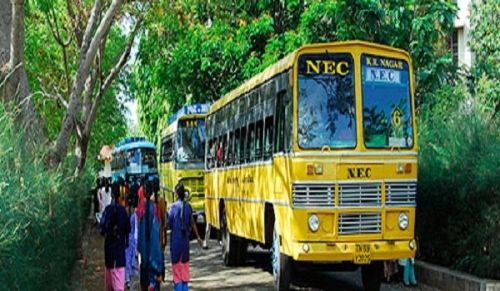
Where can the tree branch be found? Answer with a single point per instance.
(54, 28)
(90, 26)
(89, 91)
(112, 75)
(9, 74)
(87, 55)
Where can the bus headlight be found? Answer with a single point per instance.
(313, 222)
(403, 220)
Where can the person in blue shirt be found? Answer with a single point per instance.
(181, 222)
(148, 239)
(115, 226)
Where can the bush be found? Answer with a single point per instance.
(41, 214)
(458, 213)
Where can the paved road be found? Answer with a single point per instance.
(209, 273)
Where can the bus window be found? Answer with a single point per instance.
(190, 141)
(258, 140)
(242, 145)
(251, 143)
(268, 136)
(167, 150)
(387, 116)
(230, 154)
(133, 157)
(326, 107)
(279, 144)
(148, 158)
(237, 147)
(288, 123)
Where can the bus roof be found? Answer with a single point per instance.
(133, 143)
(286, 63)
(172, 127)
(201, 108)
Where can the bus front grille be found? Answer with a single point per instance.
(360, 194)
(401, 193)
(359, 223)
(314, 195)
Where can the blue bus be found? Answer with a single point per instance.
(133, 156)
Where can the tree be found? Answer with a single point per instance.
(196, 51)
(15, 93)
(83, 34)
(485, 43)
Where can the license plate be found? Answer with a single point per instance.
(362, 254)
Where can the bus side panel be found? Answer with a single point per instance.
(225, 190)
(211, 202)
(282, 203)
(252, 194)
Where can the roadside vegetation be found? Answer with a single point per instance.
(53, 114)
(458, 220)
(41, 216)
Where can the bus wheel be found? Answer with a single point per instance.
(229, 242)
(371, 275)
(281, 264)
(242, 250)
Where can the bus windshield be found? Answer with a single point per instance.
(387, 115)
(141, 157)
(326, 105)
(149, 158)
(191, 136)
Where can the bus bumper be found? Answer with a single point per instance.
(357, 252)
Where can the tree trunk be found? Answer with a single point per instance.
(5, 25)
(16, 94)
(60, 149)
(81, 148)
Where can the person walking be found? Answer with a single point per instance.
(148, 239)
(181, 222)
(131, 268)
(104, 196)
(115, 226)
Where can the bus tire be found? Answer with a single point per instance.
(229, 242)
(281, 264)
(242, 250)
(372, 275)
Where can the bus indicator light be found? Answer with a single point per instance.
(318, 169)
(310, 169)
(400, 168)
(408, 168)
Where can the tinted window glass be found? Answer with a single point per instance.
(326, 109)
(387, 116)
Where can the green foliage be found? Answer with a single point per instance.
(458, 213)
(194, 51)
(50, 75)
(42, 214)
(485, 43)
(485, 38)
(458, 197)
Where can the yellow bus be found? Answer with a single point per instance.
(316, 159)
(182, 156)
